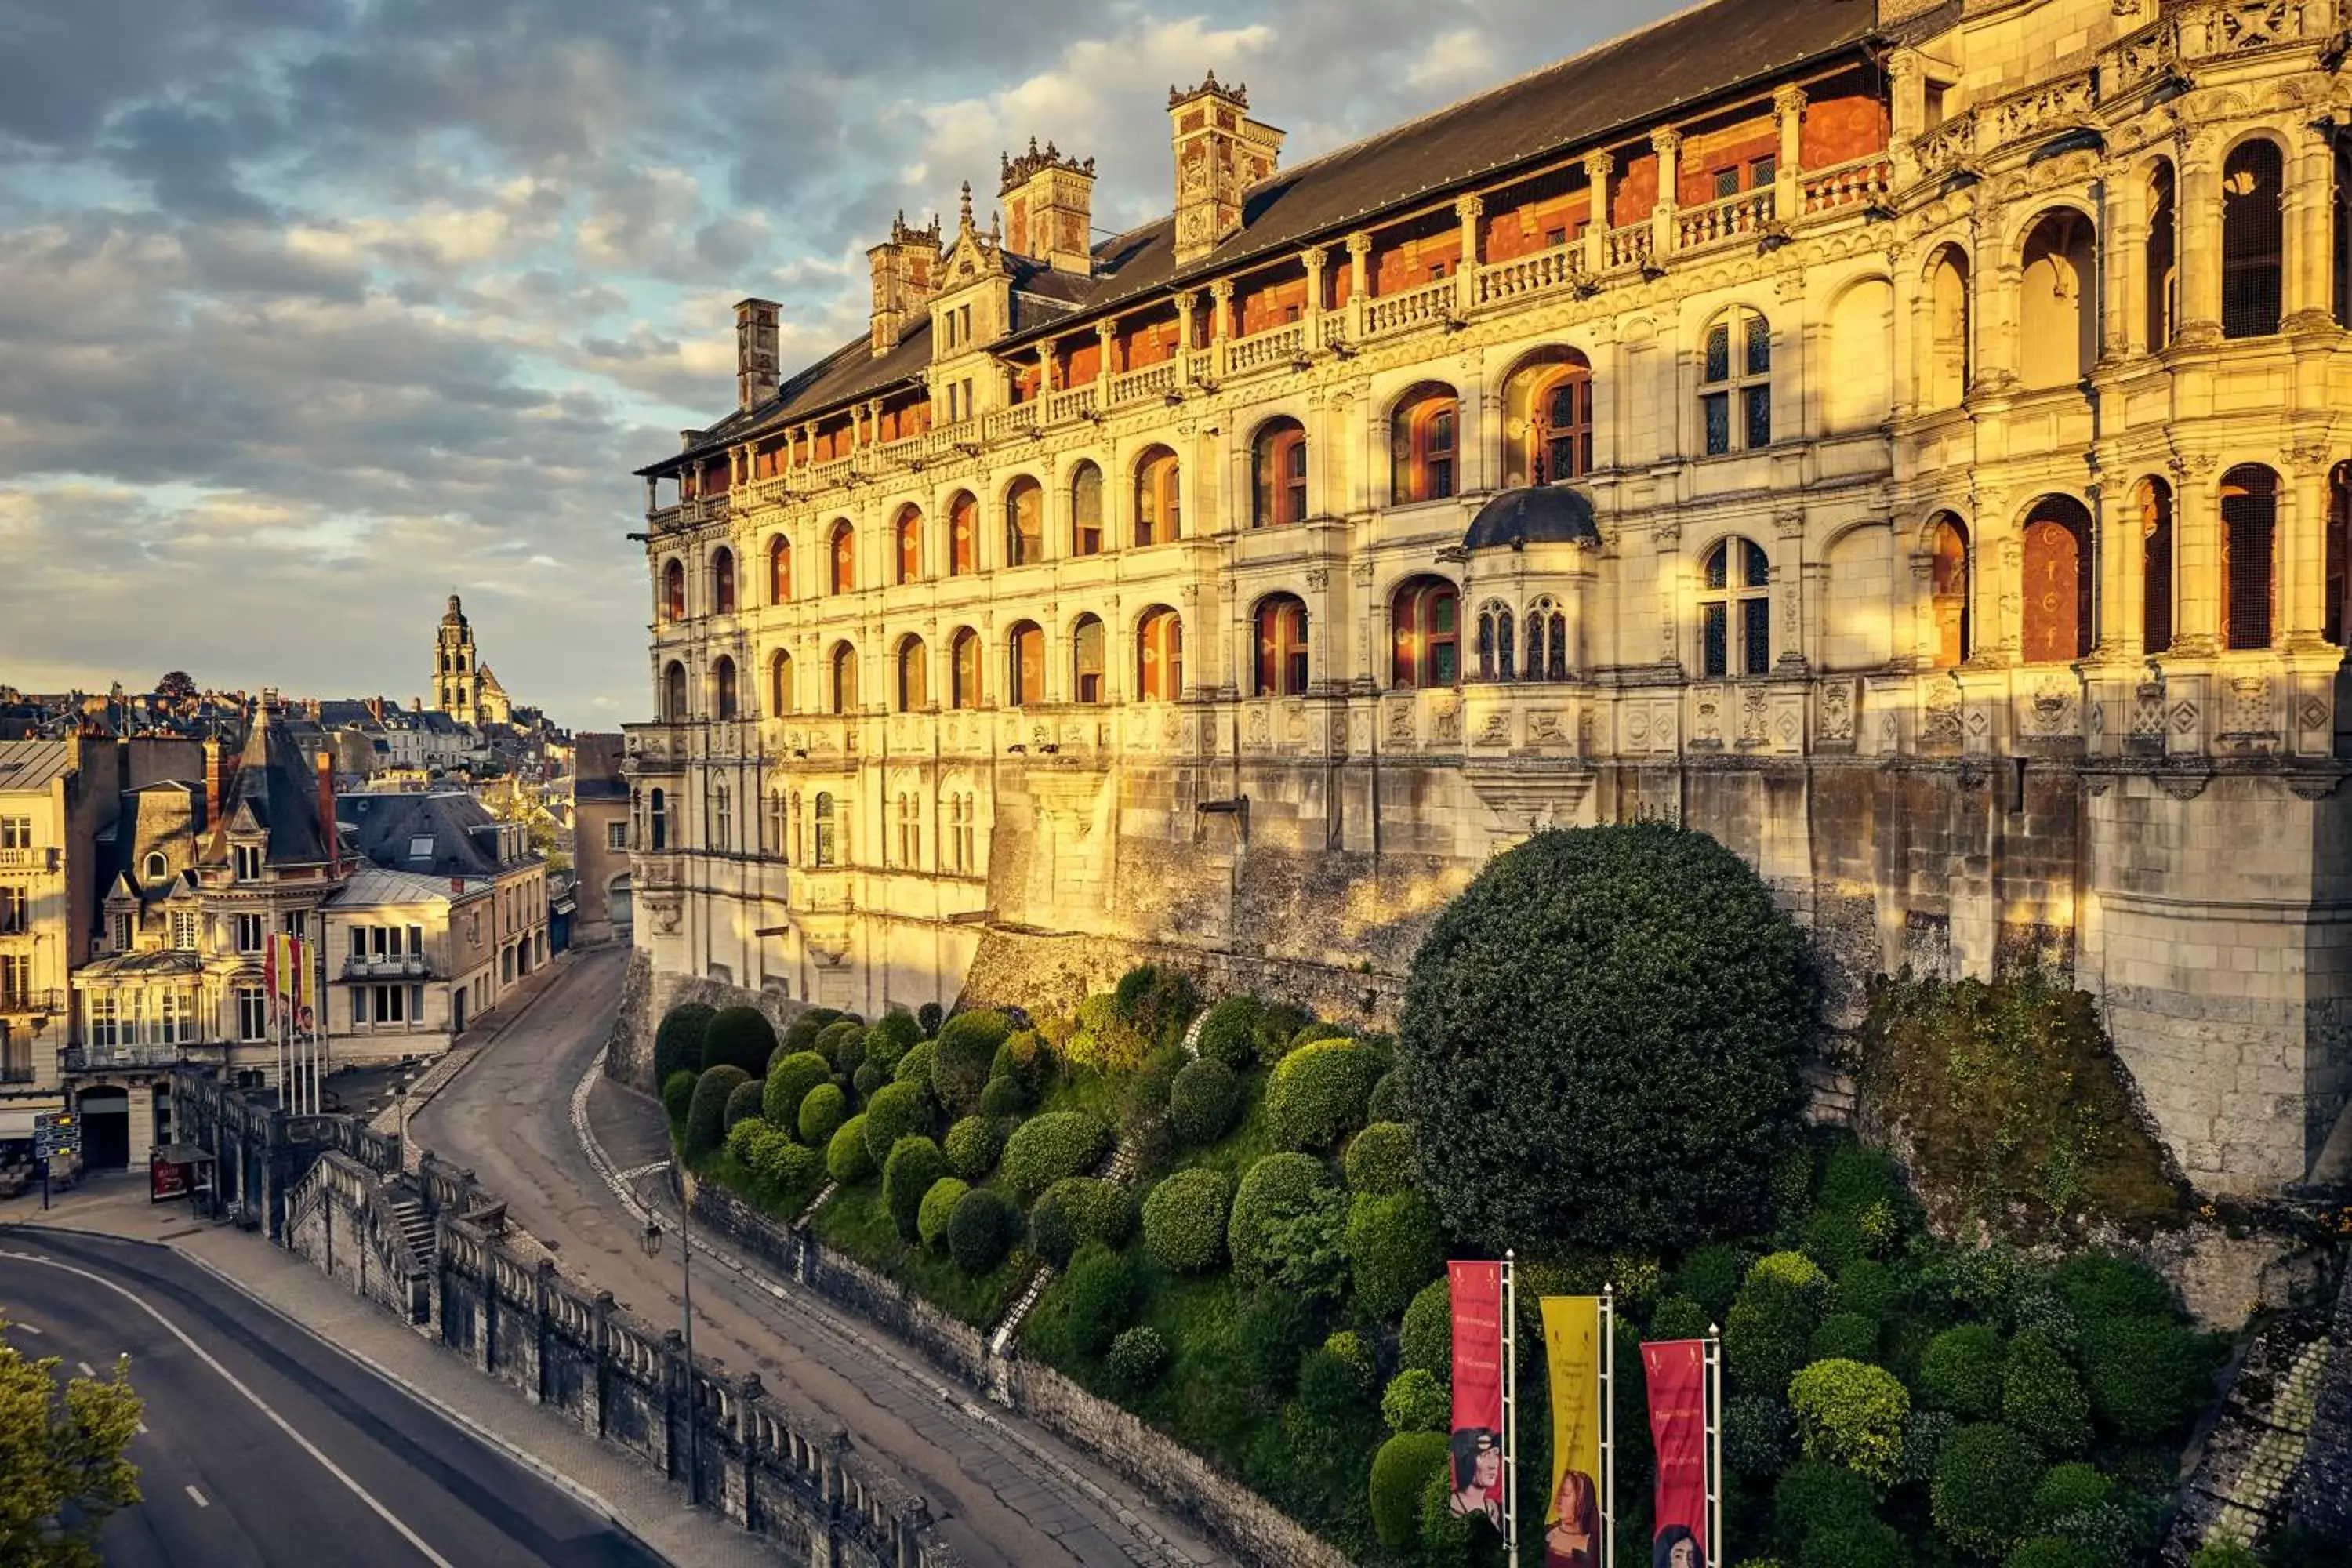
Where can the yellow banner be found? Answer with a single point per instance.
(1572, 1348)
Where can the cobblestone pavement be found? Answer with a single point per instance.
(1011, 1495)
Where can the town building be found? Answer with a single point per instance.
(602, 910)
(1908, 443)
(463, 686)
(451, 836)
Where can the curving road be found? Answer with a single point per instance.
(262, 1444)
(1012, 1495)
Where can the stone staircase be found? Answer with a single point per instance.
(416, 1228)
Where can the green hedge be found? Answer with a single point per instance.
(1136, 1359)
(678, 1095)
(1184, 1221)
(738, 1038)
(1380, 1159)
(1426, 1338)
(963, 1057)
(823, 1110)
(1078, 1209)
(1962, 1369)
(1768, 1335)
(677, 1044)
(1845, 1336)
(938, 1206)
(1415, 1401)
(1851, 1413)
(1049, 1147)
(2146, 1373)
(915, 1163)
(2041, 1398)
(927, 1017)
(1004, 1097)
(847, 1158)
(706, 1114)
(981, 1229)
(915, 1066)
(974, 1147)
(841, 1043)
(2100, 1286)
(895, 1111)
(1982, 1497)
(1318, 1094)
(1394, 1248)
(1401, 1472)
(1204, 1102)
(1815, 1497)
(742, 1103)
(1229, 1032)
(1097, 1297)
(791, 1075)
(1276, 1186)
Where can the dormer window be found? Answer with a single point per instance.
(155, 868)
(247, 860)
(421, 846)
(123, 933)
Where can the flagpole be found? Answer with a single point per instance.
(1714, 1443)
(1608, 1423)
(1511, 1404)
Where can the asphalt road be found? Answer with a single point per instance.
(1008, 1494)
(263, 1444)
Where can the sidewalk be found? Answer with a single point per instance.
(604, 1478)
(471, 1044)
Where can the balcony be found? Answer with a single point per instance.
(39, 859)
(1745, 215)
(31, 1004)
(108, 1058)
(402, 966)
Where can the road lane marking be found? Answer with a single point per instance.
(87, 1370)
(254, 1399)
(143, 1429)
(199, 1496)
(28, 1328)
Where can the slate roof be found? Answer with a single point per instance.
(1591, 100)
(1542, 514)
(387, 827)
(32, 764)
(280, 784)
(373, 885)
(165, 961)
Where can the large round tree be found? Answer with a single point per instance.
(1601, 1043)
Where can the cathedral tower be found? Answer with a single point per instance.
(457, 675)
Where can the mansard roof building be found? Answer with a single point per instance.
(1907, 442)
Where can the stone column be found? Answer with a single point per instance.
(2198, 202)
(1221, 323)
(1668, 145)
(2123, 332)
(1921, 609)
(1106, 347)
(2302, 549)
(1598, 169)
(1668, 541)
(1185, 303)
(1788, 112)
(1467, 210)
(1314, 255)
(2196, 557)
(1044, 369)
(652, 494)
(1993, 286)
(2117, 551)
(1359, 283)
(1790, 569)
(2309, 298)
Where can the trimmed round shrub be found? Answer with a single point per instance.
(1711, 1275)
(1962, 1369)
(1314, 1032)
(915, 1163)
(1759, 1436)
(1815, 1495)
(1157, 1002)
(2045, 1552)
(1136, 1359)
(1769, 1333)
(895, 1111)
(841, 1042)
(823, 1110)
(1184, 1221)
(847, 1158)
(974, 1147)
(738, 1038)
(869, 1077)
(1426, 1338)
(1401, 1473)
(963, 1054)
(1415, 1401)
(1024, 1059)
(801, 1034)
(1273, 1330)
(1847, 1336)
(1276, 1186)
(1079, 1209)
(1229, 1032)
(1867, 1286)
(981, 1229)
(1276, 1023)
(1871, 1543)
(1851, 1413)
(2147, 1374)
(1148, 1090)
(2070, 1487)
(787, 1166)
(2041, 1398)
(1003, 1096)
(677, 1095)
(706, 1113)
(1678, 1318)
(1632, 936)
(915, 1066)
(742, 1103)
(892, 1035)
(1447, 1538)
(1097, 1294)
(2099, 1285)
(1318, 1093)
(939, 1204)
(1793, 1269)
(1332, 1386)
(1387, 1103)
(1204, 1102)
(927, 1016)
(1395, 1248)
(677, 1044)
(791, 1076)
(747, 1134)
(1044, 1149)
(1983, 1492)
(1380, 1159)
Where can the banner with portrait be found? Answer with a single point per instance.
(1572, 1348)
(1678, 1431)
(1476, 1289)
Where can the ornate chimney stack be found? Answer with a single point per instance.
(755, 351)
(906, 277)
(1220, 152)
(1049, 207)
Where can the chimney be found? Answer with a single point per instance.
(215, 783)
(1220, 152)
(1049, 207)
(755, 351)
(906, 277)
(327, 829)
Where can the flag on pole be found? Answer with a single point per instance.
(1479, 1487)
(1679, 1430)
(1573, 1526)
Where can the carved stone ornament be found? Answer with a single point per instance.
(1400, 723)
(1836, 712)
(1544, 729)
(1496, 730)
(1318, 579)
(2314, 786)
(1258, 731)
(1447, 721)
(2183, 785)
(1941, 723)
(1752, 716)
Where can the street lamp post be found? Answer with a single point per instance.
(652, 1242)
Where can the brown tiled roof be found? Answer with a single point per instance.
(1589, 100)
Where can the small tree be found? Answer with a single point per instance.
(963, 1056)
(915, 1164)
(741, 1038)
(706, 1114)
(62, 1472)
(677, 1044)
(177, 686)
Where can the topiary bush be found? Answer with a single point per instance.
(927, 1016)
(2147, 1374)
(1332, 1385)
(1415, 1401)
(1078, 1209)
(791, 1076)
(915, 1066)
(1866, 1286)
(2101, 1285)
(1845, 1336)
(677, 1095)
(847, 1158)
(1871, 1543)
(801, 1034)
(1003, 1097)
(1986, 1477)
(1277, 1022)
(1314, 1032)
(869, 1076)
(939, 1204)
(1711, 1275)
(1394, 1250)
(1816, 1496)
(1184, 1221)
(1680, 1318)
(1136, 1359)
(747, 1134)
(1402, 1471)
(892, 1035)
(915, 1163)
(742, 1103)
(1318, 1094)
(706, 1114)
(1768, 1334)
(1024, 1059)
(1204, 1102)
(973, 1148)
(1097, 1297)
(2041, 1398)
(1851, 1413)
(678, 1043)
(895, 1111)
(1273, 1330)
(1305, 1250)
(962, 1055)
(1049, 1147)
(1229, 1033)
(1380, 1159)
(1426, 1338)
(981, 1229)
(2070, 1487)
(1276, 1186)
(1551, 1117)
(1962, 1371)
(1157, 1002)
(823, 1110)
(1387, 1103)
(841, 1043)
(738, 1038)
(787, 1167)
(1759, 1436)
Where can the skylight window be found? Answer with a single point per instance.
(421, 847)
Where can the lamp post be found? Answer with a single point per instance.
(651, 1240)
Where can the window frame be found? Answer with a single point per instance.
(1282, 633)
(1089, 661)
(841, 557)
(1024, 546)
(1158, 496)
(1160, 654)
(1279, 474)
(1744, 602)
(907, 541)
(780, 569)
(1089, 534)
(1742, 389)
(1425, 442)
(1417, 641)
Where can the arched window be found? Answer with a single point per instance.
(156, 869)
(1426, 633)
(828, 831)
(1156, 518)
(844, 556)
(1734, 610)
(908, 538)
(1281, 626)
(1024, 665)
(914, 676)
(1498, 642)
(2057, 586)
(780, 569)
(963, 679)
(1945, 380)
(722, 819)
(674, 693)
(1085, 510)
(658, 819)
(1548, 419)
(2058, 324)
(1424, 438)
(2253, 242)
(963, 535)
(2162, 279)
(779, 683)
(778, 829)
(2249, 533)
(1547, 628)
(1024, 523)
(910, 829)
(2337, 556)
(674, 590)
(2154, 498)
(1160, 656)
(1734, 393)
(722, 688)
(722, 581)
(1278, 473)
(1948, 592)
(844, 679)
(1086, 684)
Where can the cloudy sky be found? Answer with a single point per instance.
(313, 311)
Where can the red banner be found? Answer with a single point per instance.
(1477, 1297)
(1677, 1378)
